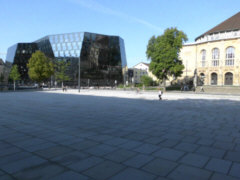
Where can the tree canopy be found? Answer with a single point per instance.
(61, 68)
(40, 68)
(147, 80)
(14, 74)
(163, 51)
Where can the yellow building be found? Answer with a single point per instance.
(215, 55)
(142, 69)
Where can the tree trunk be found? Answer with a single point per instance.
(164, 84)
(14, 85)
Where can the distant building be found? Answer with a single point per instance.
(102, 57)
(1, 67)
(4, 71)
(215, 55)
(140, 70)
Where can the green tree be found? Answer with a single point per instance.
(146, 80)
(40, 68)
(14, 75)
(163, 51)
(61, 68)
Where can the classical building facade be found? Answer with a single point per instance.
(215, 55)
(102, 57)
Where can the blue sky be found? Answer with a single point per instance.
(134, 20)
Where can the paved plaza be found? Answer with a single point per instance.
(119, 135)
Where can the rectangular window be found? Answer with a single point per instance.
(229, 62)
(58, 46)
(74, 45)
(61, 53)
(69, 46)
(72, 53)
(66, 38)
(67, 54)
(56, 53)
(61, 38)
(215, 62)
(76, 37)
(71, 37)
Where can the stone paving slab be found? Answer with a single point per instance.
(219, 165)
(104, 170)
(101, 150)
(130, 144)
(6, 177)
(233, 156)
(120, 155)
(130, 174)
(187, 147)
(219, 176)
(14, 157)
(53, 151)
(70, 158)
(1, 173)
(210, 151)
(70, 175)
(126, 136)
(235, 170)
(22, 164)
(85, 164)
(9, 150)
(43, 171)
(146, 148)
(139, 160)
(169, 154)
(160, 167)
(194, 159)
(188, 172)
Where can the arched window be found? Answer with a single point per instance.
(214, 78)
(228, 79)
(215, 57)
(230, 54)
(215, 53)
(203, 54)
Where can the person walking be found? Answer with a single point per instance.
(137, 90)
(160, 94)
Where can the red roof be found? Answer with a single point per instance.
(231, 24)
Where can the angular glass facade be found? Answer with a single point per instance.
(102, 57)
(19, 54)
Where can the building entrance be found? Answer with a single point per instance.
(214, 79)
(228, 78)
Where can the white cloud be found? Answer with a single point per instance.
(95, 6)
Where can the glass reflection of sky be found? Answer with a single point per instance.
(66, 45)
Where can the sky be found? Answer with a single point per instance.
(136, 21)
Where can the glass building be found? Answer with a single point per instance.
(102, 57)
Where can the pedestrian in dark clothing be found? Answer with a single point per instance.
(160, 94)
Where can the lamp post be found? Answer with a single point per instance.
(79, 71)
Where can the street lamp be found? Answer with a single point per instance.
(79, 71)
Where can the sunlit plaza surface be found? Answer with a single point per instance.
(118, 135)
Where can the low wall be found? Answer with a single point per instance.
(220, 89)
